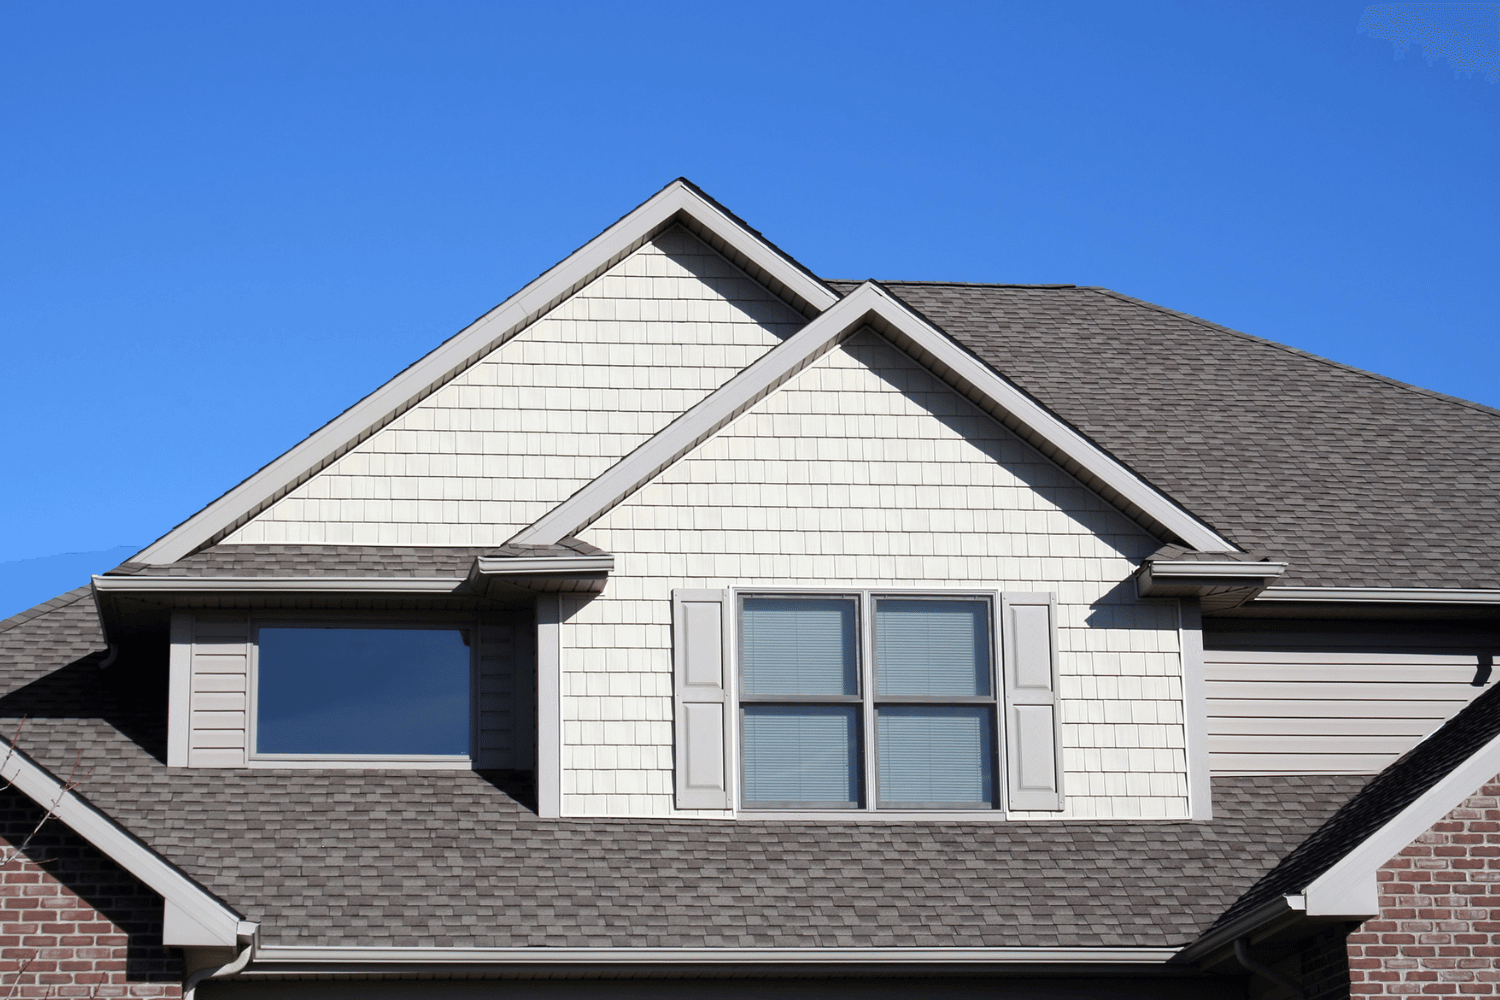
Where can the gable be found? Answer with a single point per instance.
(865, 470)
(547, 411)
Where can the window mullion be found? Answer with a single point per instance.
(871, 756)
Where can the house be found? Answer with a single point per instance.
(689, 623)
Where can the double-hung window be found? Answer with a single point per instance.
(867, 700)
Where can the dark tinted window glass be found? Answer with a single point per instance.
(363, 691)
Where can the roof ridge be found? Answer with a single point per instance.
(45, 608)
(1142, 303)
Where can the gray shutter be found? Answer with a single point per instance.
(700, 644)
(1033, 737)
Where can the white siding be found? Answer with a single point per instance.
(546, 412)
(865, 471)
(1350, 703)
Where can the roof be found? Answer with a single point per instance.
(1356, 480)
(458, 859)
(1385, 797)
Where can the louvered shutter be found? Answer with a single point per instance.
(1033, 738)
(699, 668)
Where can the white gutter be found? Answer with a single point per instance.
(192, 918)
(1379, 595)
(292, 955)
(1211, 570)
(514, 566)
(140, 584)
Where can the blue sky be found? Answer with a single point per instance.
(220, 224)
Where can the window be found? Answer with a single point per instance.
(867, 701)
(332, 690)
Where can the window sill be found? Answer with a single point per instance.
(360, 762)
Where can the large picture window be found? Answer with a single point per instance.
(867, 701)
(374, 691)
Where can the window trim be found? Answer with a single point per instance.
(441, 762)
(868, 702)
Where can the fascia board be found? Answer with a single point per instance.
(678, 200)
(511, 566)
(214, 922)
(1378, 595)
(866, 303)
(1349, 888)
(316, 956)
(274, 585)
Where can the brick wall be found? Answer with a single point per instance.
(72, 922)
(1438, 933)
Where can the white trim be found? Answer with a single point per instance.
(677, 200)
(509, 566)
(180, 688)
(1195, 706)
(207, 921)
(298, 955)
(869, 302)
(549, 728)
(1380, 595)
(275, 585)
(1235, 570)
(1349, 889)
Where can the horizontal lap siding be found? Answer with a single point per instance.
(865, 471)
(1341, 703)
(546, 412)
(219, 698)
(507, 694)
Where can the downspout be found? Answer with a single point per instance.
(1255, 965)
(114, 652)
(217, 972)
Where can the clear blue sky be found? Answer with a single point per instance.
(220, 224)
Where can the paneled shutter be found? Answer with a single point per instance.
(700, 644)
(1033, 737)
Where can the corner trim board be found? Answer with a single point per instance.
(193, 916)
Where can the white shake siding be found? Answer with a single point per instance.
(546, 412)
(865, 471)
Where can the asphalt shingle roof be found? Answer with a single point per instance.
(1356, 480)
(1386, 795)
(454, 859)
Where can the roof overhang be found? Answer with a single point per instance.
(870, 306)
(497, 580)
(679, 203)
(1218, 585)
